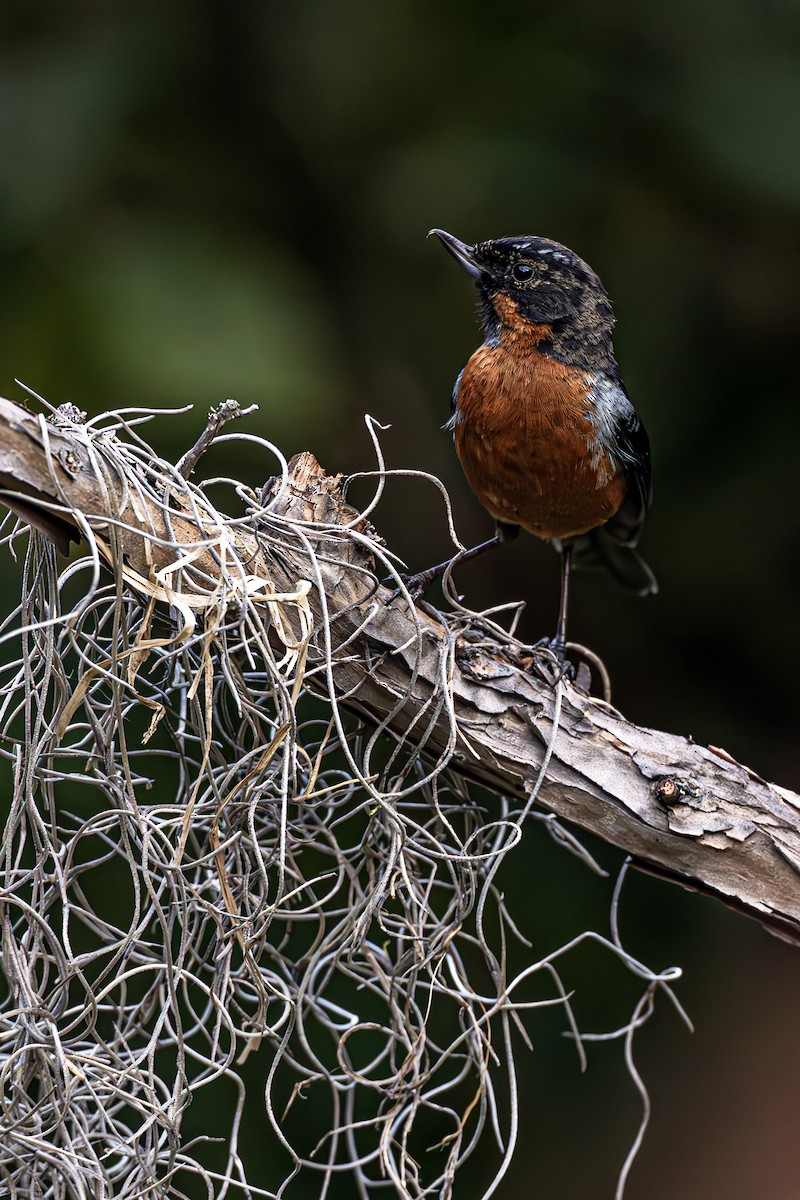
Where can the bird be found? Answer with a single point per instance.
(542, 424)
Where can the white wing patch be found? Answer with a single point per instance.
(608, 407)
(456, 417)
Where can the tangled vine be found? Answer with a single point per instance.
(219, 877)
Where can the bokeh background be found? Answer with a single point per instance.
(230, 198)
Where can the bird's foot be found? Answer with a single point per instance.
(554, 664)
(416, 585)
(555, 657)
(556, 645)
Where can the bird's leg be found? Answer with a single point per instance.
(418, 584)
(559, 641)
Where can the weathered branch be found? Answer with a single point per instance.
(680, 810)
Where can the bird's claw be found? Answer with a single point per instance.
(557, 648)
(415, 585)
(577, 672)
(556, 645)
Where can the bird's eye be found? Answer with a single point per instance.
(522, 272)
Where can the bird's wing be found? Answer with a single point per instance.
(633, 448)
(613, 544)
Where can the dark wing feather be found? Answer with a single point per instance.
(613, 545)
(634, 451)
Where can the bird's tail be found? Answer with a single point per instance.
(599, 549)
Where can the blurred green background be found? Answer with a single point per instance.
(211, 199)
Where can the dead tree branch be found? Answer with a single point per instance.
(689, 813)
(272, 757)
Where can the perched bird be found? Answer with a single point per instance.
(542, 424)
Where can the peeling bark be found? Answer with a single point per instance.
(689, 813)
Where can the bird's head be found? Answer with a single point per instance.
(534, 283)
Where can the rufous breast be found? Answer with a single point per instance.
(526, 441)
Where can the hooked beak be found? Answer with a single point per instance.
(463, 254)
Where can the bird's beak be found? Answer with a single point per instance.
(461, 253)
